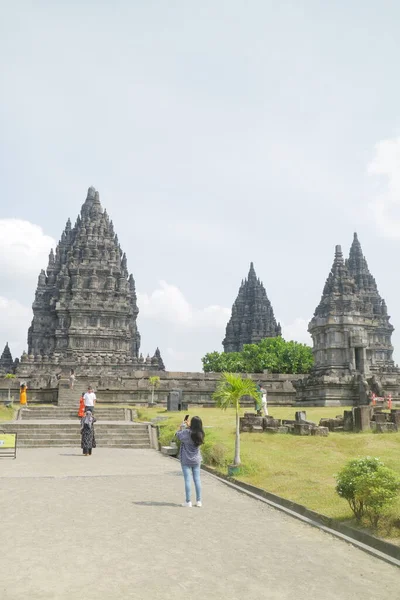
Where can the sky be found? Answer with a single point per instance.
(217, 133)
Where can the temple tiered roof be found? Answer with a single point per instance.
(252, 316)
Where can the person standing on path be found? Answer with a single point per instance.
(72, 379)
(88, 440)
(90, 399)
(22, 396)
(190, 457)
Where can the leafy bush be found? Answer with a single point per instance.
(215, 455)
(368, 486)
(273, 354)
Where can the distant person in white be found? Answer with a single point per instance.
(264, 402)
(90, 399)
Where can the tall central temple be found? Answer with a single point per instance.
(85, 308)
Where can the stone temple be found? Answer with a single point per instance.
(252, 316)
(85, 309)
(351, 333)
(7, 365)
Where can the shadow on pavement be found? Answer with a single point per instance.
(151, 503)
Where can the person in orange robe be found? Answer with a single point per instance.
(81, 411)
(22, 396)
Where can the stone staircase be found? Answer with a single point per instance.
(69, 398)
(56, 413)
(110, 434)
(43, 426)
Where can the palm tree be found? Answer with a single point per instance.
(230, 389)
(154, 383)
(9, 376)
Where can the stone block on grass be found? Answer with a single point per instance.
(257, 429)
(362, 418)
(300, 415)
(320, 431)
(380, 417)
(386, 428)
(395, 416)
(348, 422)
(302, 429)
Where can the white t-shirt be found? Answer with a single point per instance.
(89, 398)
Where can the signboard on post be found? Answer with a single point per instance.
(8, 445)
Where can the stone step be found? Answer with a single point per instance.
(76, 443)
(72, 433)
(112, 414)
(70, 424)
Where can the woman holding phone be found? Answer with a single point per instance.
(191, 439)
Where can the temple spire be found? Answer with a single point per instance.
(252, 316)
(358, 267)
(6, 361)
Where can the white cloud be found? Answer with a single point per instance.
(167, 303)
(24, 248)
(297, 331)
(385, 208)
(14, 324)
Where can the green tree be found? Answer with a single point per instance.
(10, 377)
(154, 383)
(230, 389)
(273, 354)
(368, 486)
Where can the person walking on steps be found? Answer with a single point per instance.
(90, 399)
(71, 379)
(88, 439)
(81, 411)
(191, 438)
(23, 401)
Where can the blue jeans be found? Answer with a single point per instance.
(188, 472)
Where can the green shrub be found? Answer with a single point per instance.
(214, 454)
(368, 486)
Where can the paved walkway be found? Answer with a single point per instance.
(111, 527)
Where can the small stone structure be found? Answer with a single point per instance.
(252, 423)
(364, 418)
(252, 316)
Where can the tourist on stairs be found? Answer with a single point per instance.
(81, 411)
(190, 457)
(22, 396)
(88, 440)
(90, 399)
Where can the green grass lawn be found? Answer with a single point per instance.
(301, 469)
(7, 414)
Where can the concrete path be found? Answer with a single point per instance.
(111, 527)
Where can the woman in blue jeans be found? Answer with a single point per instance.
(190, 457)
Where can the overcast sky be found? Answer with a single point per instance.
(217, 133)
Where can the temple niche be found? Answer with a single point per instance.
(85, 306)
(252, 316)
(351, 333)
